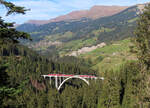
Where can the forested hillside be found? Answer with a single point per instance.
(21, 84)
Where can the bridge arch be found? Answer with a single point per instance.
(72, 78)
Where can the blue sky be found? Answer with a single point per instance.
(47, 9)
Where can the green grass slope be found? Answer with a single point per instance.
(111, 56)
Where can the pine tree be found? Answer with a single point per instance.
(9, 36)
(110, 97)
(142, 43)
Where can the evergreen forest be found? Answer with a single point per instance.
(22, 86)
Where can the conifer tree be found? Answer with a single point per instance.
(142, 43)
(8, 34)
(110, 96)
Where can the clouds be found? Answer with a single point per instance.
(40, 9)
(47, 9)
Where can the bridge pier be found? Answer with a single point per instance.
(56, 82)
(59, 80)
(50, 80)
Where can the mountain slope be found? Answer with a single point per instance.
(111, 56)
(93, 13)
(73, 35)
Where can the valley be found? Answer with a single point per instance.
(84, 37)
(64, 37)
(93, 58)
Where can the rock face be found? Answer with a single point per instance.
(37, 85)
(86, 49)
(94, 13)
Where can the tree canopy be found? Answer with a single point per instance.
(8, 34)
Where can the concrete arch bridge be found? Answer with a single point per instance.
(60, 79)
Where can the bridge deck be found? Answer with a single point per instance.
(64, 75)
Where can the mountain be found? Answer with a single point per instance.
(64, 37)
(93, 13)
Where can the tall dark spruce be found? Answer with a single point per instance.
(142, 43)
(8, 36)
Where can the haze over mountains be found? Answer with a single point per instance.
(95, 12)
